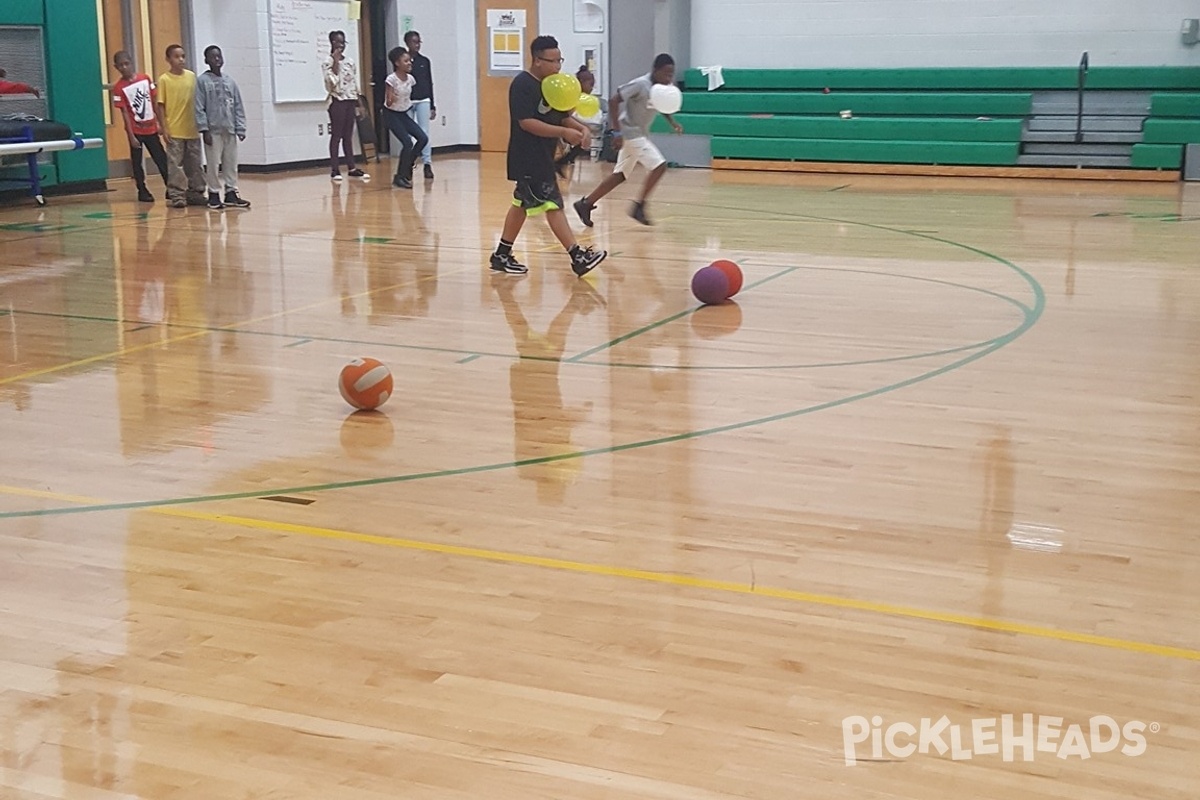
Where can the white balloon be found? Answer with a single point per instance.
(665, 98)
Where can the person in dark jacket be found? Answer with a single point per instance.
(424, 109)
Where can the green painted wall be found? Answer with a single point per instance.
(22, 12)
(72, 39)
(76, 93)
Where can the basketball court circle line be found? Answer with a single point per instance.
(1031, 316)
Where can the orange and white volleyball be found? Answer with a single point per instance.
(365, 383)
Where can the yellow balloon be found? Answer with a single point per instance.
(561, 91)
(589, 106)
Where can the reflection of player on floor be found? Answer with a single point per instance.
(542, 424)
(632, 124)
(534, 131)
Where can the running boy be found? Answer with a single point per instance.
(534, 131)
(221, 120)
(632, 124)
(177, 110)
(134, 97)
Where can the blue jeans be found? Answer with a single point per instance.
(420, 113)
(405, 129)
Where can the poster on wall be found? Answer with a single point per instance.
(506, 35)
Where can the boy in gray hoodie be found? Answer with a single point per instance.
(221, 120)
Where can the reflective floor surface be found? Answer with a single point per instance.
(914, 516)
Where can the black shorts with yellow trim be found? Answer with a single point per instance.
(537, 197)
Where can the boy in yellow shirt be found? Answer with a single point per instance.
(177, 110)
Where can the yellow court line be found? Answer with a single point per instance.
(671, 579)
(123, 351)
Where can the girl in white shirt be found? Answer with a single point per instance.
(397, 102)
(341, 82)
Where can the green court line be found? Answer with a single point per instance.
(272, 334)
(473, 355)
(298, 342)
(1031, 316)
(477, 354)
(816, 365)
(446, 473)
(645, 328)
(1029, 320)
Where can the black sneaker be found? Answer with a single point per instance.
(586, 259)
(144, 196)
(584, 209)
(401, 182)
(232, 199)
(358, 173)
(429, 172)
(507, 264)
(335, 176)
(638, 212)
(214, 201)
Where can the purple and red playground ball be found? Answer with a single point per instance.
(716, 283)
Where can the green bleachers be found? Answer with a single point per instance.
(882, 152)
(937, 116)
(922, 103)
(865, 128)
(1157, 156)
(953, 78)
(1176, 104)
(1171, 131)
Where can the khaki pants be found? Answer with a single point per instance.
(185, 176)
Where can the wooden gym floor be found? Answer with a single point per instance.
(941, 459)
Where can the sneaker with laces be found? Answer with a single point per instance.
(335, 176)
(358, 173)
(586, 259)
(584, 209)
(214, 201)
(506, 263)
(232, 199)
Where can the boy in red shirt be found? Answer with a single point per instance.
(134, 95)
(13, 87)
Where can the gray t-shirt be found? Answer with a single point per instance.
(636, 113)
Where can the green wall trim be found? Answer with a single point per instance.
(75, 93)
(22, 12)
(953, 78)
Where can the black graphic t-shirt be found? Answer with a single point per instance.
(530, 158)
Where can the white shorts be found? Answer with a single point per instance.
(638, 151)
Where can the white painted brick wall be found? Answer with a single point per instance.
(936, 33)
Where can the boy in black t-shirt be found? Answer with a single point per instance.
(534, 131)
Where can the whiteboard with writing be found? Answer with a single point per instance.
(299, 31)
